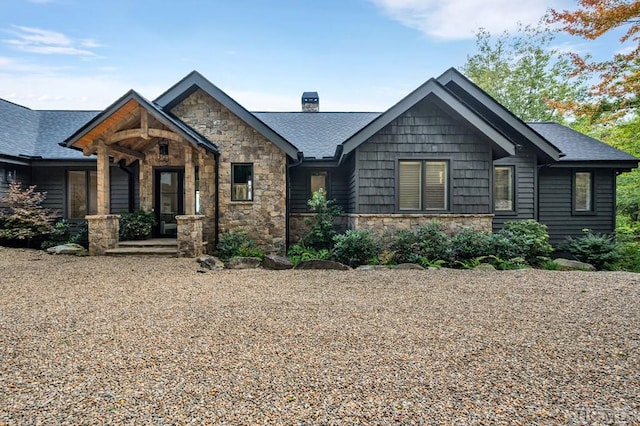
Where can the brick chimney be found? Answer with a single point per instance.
(310, 102)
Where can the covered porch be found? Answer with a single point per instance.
(176, 174)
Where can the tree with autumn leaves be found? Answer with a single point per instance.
(617, 91)
(612, 110)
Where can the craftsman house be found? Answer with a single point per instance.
(205, 165)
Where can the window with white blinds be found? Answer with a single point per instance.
(422, 185)
(410, 191)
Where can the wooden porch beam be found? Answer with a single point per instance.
(127, 151)
(140, 133)
(144, 124)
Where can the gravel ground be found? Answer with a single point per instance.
(150, 341)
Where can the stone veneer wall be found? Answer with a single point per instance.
(264, 218)
(103, 233)
(381, 223)
(176, 159)
(452, 223)
(189, 238)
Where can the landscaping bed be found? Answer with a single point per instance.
(86, 340)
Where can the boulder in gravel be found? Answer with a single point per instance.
(371, 267)
(278, 263)
(75, 249)
(243, 263)
(407, 266)
(210, 262)
(573, 265)
(322, 264)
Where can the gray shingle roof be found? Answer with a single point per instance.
(32, 133)
(316, 134)
(577, 146)
(56, 126)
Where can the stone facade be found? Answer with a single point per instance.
(103, 233)
(204, 160)
(298, 226)
(190, 243)
(452, 223)
(264, 218)
(381, 223)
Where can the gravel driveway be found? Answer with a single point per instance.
(150, 341)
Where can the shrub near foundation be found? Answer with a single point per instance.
(355, 248)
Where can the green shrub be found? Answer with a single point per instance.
(523, 238)
(424, 246)
(81, 234)
(61, 234)
(355, 248)
(401, 247)
(433, 243)
(299, 253)
(469, 244)
(504, 265)
(136, 225)
(237, 244)
(599, 250)
(23, 218)
(322, 231)
(629, 256)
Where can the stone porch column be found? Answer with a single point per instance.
(189, 182)
(190, 242)
(104, 202)
(103, 233)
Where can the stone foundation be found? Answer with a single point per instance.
(103, 233)
(381, 223)
(190, 242)
(298, 225)
(452, 223)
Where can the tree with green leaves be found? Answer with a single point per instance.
(524, 73)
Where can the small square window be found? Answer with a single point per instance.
(242, 182)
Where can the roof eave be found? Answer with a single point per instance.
(152, 109)
(452, 75)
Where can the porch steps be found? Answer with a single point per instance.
(153, 247)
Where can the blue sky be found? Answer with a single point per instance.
(360, 55)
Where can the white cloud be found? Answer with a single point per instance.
(460, 19)
(38, 40)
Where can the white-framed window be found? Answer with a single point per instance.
(423, 185)
(242, 182)
(503, 188)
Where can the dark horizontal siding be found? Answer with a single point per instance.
(51, 180)
(555, 204)
(22, 175)
(424, 132)
(300, 189)
(119, 190)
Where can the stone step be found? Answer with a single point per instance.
(143, 251)
(154, 242)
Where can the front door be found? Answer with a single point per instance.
(169, 201)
